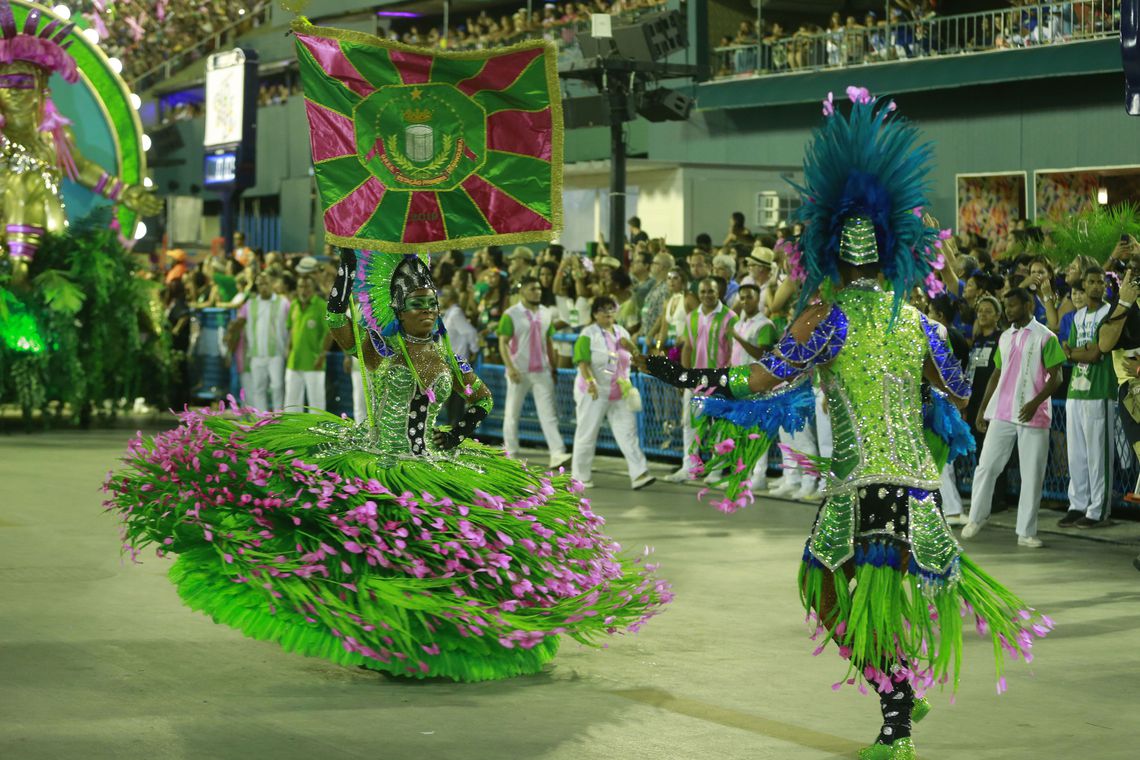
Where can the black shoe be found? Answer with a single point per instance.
(1070, 519)
(1086, 522)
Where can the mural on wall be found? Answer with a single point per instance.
(988, 205)
(1061, 195)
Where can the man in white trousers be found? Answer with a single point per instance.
(1016, 410)
(708, 344)
(309, 342)
(527, 349)
(263, 324)
(1090, 412)
(752, 335)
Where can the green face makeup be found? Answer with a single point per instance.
(421, 303)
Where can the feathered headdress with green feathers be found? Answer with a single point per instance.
(382, 281)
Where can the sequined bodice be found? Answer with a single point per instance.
(873, 390)
(403, 415)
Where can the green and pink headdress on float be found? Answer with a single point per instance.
(28, 56)
(45, 48)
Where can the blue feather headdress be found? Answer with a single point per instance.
(867, 164)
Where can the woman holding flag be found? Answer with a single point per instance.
(396, 545)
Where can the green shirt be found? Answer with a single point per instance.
(227, 286)
(583, 350)
(308, 332)
(1094, 380)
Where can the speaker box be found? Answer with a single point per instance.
(585, 111)
(664, 105)
(594, 47)
(652, 37)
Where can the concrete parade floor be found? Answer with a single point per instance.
(99, 659)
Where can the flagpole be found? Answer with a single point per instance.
(616, 243)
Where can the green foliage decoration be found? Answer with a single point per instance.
(1094, 233)
(101, 326)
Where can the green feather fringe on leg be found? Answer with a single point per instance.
(887, 615)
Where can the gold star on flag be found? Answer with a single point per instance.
(416, 93)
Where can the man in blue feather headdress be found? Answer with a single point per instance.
(882, 575)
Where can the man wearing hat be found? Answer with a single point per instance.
(518, 265)
(307, 265)
(605, 266)
(760, 263)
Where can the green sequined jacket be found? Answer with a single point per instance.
(874, 395)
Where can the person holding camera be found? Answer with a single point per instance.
(1120, 336)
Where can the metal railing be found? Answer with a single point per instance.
(1009, 28)
(218, 40)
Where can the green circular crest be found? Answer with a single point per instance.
(426, 137)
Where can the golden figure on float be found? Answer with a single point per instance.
(38, 148)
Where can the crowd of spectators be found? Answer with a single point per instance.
(556, 21)
(651, 298)
(144, 34)
(915, 30)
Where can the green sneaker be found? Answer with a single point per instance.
(921, 709)
(900, 749)
(876, 752)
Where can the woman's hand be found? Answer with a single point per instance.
(445, 439)
(592, 389)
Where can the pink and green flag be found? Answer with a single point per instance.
(419, 150)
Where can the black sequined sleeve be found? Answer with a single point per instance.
(716, 380)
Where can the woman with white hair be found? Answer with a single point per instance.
(724, 267)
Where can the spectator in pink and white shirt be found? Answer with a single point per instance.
(1016, 409)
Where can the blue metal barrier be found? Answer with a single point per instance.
(1056, 487)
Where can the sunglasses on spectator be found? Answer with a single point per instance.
(421, 303)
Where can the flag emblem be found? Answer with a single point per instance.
(418, 150)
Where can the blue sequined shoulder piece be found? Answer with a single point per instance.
(381, 346)
(821, 346)
(464, 365)
(948, 367)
